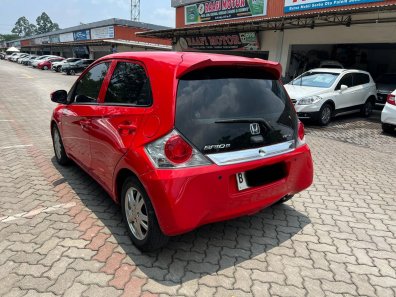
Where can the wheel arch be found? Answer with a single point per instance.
(331, 103)
(372, 99)
(121, 176)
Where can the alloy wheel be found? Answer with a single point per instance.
(136, 212)
(57, 144)
(326, 114)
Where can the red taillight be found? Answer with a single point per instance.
(300, 134)
(301, 131)
(391, 99)
(177, 150)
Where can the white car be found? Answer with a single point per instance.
(57, 66)
(388, 115)
(322, 93)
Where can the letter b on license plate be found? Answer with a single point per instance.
(241, 181)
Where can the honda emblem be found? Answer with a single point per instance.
(255, 129)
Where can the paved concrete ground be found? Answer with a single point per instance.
(60, 234)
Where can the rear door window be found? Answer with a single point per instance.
(360, 79)
(129, 85)
(227, 109)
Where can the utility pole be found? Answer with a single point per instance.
(135, 10)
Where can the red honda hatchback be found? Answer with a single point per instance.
(183, 139)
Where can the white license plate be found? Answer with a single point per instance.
(241, 181)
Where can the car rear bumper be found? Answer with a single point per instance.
(187, 198)
(388, 115)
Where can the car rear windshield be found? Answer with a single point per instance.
(229, 109)
(315, 79)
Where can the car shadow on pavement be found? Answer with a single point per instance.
(347, 119)
(210, 249)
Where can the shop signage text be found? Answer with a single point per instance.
(300, 5)
(66, 37)
(102, 33)
(234, 41)
(81, 35)
(54, 39)
(223, 9)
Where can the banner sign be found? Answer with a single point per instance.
(246, 41)
(301, 5)
(66, 37)
(54, 39)
(38, 40)
(45, 39)
(81, 35)
(218, 10)
(102, 33)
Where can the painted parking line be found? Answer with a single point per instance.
(36, 212)
(6, 120)
(15, 146)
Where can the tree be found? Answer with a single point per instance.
(8, 37)
(45, 24)
(23, 27)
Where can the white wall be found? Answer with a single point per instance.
(279, 48)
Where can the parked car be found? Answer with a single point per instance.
(23, 58)
(26, 60)
(41, 59)
(15, 57)
(331, 64)
(10, 56)
(320, 94)
(2, 56)
(388, 115)
(57, 66)
(76, 67)
(20, 57)
(183, 139)
(46, 63)
(386, 83)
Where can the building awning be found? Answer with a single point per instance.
(101, 42)
(139, 44)
(332, 17)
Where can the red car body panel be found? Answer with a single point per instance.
(48, 63)
(184, 198)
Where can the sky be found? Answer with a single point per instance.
(68, 13)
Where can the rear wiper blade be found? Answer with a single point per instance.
(245, 120)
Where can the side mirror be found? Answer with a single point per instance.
(343, 87)
(59, 96)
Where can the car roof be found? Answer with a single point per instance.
(337, 70)
(189, 61)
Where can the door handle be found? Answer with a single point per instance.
(126, 129)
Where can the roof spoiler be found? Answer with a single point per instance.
(272, 67)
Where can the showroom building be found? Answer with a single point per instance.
(297, 33)
(93, 40)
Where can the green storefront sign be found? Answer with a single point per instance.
(218, 10)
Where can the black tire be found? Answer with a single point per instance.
(367, 109)
(45, 68)
(284, 199)
(325, 114)
(59, 149)
(152, 238)
(387, 128)
(72, 72)
(68, 72)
